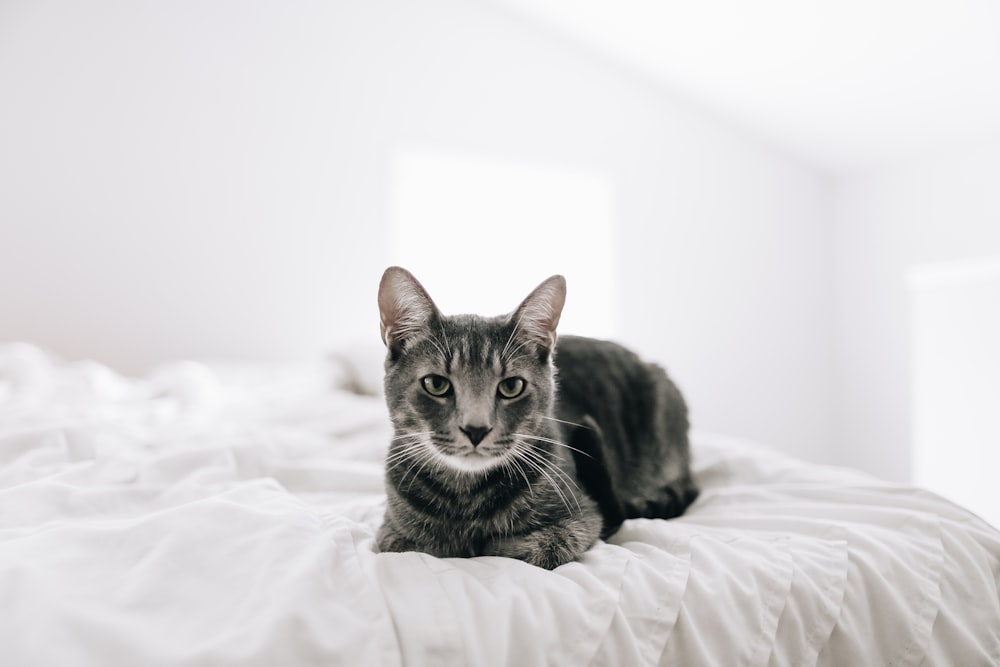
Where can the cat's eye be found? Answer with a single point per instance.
(435, 385)
(511, 387)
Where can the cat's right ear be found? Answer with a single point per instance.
(538, 315)
(405, 309)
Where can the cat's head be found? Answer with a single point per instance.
(467, 392)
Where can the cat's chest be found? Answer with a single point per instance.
(468, 514)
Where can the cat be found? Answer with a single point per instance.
(511, 442)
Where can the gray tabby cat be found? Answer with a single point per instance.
(489, 458)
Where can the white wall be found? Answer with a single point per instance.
(941, 207)
(192, 179)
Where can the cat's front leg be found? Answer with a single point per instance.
(550, 546)
(395, 536)
(389, 538)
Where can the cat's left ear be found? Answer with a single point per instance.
(538, 315)
(405, 309)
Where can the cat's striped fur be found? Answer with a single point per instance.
(488, 458)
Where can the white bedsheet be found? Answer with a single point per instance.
(225, 516)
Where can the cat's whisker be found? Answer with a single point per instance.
(517, 325)
(537, 468)
(411, 435)
(550, 464)
(397, 458)
(563, 421)
(406, 474)
(552, 482)
(405, 449)
(518, 348)
(510, 463)
(554, 442)
(428, 456)
(422, 459)
(404, 452)
(436, 343)
(401, 462)
(417, 452)
(543, 467)
(447, 343)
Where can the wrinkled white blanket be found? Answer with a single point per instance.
(224, 515)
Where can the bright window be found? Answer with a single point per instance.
(481, 234)
(956, 376)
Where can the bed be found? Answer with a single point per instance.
(224, 514)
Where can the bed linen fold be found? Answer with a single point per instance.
(225, 515)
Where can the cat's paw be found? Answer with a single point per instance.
(541, 549)
(667, 502)
(553, 545)
(390, 540)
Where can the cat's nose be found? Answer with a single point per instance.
(475, 434)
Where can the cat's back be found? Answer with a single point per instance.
(605, 379)
(599, 365)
